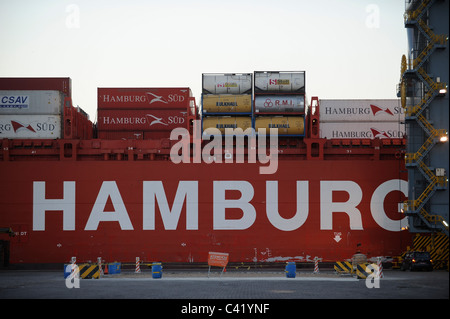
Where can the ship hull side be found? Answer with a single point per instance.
(158, 210)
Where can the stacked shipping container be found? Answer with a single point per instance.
(279, 99)
(143, 113)
(361, 119)
(226, 102)
(30, 114)
(40, 108)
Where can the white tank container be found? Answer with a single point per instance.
(30, 126)
(381, 110)
(279, 82)
(227, 83)
(31, 102)
(279, 103)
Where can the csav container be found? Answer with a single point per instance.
(279, 82)
(141, 120)
(286, 125)
(227, 103)
(30, 126)
(144, 98)
(361, 130)
(291, 269)
(382, 110)
(279, 103)
(26, 102)
(226, 83)
(223, 122)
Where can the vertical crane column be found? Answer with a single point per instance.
(431, 89)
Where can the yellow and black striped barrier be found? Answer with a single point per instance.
(343, 267)
(436, 245)
(89, 271)
(365, 270)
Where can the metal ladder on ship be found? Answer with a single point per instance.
(416, 207)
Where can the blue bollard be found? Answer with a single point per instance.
(156, 270)
(290, 270)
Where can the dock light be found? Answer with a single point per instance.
(443, 91)
(445, 223)
(444, 138)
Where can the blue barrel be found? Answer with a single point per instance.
(114, 268)
(290, 270)
(67, 270)
(156, 270)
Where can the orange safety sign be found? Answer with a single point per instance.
(217, 259)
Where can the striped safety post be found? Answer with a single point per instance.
(73, 262)
(380, 267)
(99, 263)
(138, 265)
(316, 265)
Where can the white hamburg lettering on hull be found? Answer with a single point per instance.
(154, 191)
(187, 192)
(98, 214)
(328, 207)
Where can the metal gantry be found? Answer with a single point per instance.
(415, 69)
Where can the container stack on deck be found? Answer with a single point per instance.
(226, 102)
(142, 113)
(361, 119)
(279, 99)
(40, 108)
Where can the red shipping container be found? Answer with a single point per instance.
(141, 120)
(45, 84)
(144, 98)
(133, 135)
(121, 135)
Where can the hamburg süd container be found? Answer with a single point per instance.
(227, 103)
(144, 98)
(28, 102)
(381, 110)
(30, 126)
(121, 135)
(223, 122)
(279, 103)
(286, 125)
(141, 120)
(226, 83)
(361, 130)
(279, 82)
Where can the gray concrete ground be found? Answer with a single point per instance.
(245, 294)
(179, 284)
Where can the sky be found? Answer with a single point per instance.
(349, 49)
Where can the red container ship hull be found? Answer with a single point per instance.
(158, 210)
